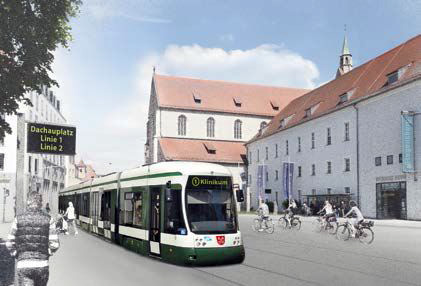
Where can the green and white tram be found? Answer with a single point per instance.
(181, 212)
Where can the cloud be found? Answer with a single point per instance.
(139, 11)
(265, 64)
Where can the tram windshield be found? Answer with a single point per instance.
(210, 205)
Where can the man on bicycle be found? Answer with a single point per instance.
(359, 216)
(263, 213)
(292, 206)
(328, 209)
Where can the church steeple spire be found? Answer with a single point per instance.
(345, 59)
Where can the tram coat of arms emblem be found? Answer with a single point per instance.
(220, 239)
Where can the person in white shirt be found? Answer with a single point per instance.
(291, 208)
(328, 209)
(70, 214)
(359, 216)
(263, 212)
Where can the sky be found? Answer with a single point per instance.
(105, 75)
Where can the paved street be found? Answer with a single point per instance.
(282, 258)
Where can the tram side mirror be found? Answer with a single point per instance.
(240, 196)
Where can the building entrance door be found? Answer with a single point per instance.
(391, 200)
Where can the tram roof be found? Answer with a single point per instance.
(172, 168)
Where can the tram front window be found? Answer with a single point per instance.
(211, 211)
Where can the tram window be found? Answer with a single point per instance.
(137, 209)
(174, 222)
(131, 208)
(105, 206)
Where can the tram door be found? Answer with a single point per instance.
(155, 222)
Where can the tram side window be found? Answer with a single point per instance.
(137, 209)
(106, 206)
(85, 205)
(174, 222)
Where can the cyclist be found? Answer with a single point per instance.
(328, 209)
(359, 216)
(263, 213)
(292, 206)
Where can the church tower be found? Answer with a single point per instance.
(345, 59)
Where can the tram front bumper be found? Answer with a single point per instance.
(217, 256)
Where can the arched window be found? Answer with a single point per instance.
(237, 129)
(210, 127)
(182, 120)
(263, 124)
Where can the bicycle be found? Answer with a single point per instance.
(363, 231)
(330, 225)
(266, 224)
(292, 223)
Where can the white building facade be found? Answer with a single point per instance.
(355, 124)
(39, 172)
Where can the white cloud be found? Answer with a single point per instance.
(265, 64)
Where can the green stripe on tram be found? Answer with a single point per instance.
(159, 175)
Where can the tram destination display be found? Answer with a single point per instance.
(51, 139)
(209, 182)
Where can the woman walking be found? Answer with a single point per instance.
(70, 214)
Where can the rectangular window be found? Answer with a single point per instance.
(267, 153)
(347, 190)
(250, 158)
(329, 191)
(1, 161)
(258, 155)
(313, 140)
(307, 112)
(36, 166)
(286, 148)
(249, 180)
(276, 175)
(378, 161)
(329, 138)
(313, 192)
(174, 221)
(393, 77)
(29, 164)
(299, 144)
(299, 171)
(346, 131)
(343, 98)
(267, 176)
(329, 167)
(400, 158)
(276, 150)
(347, 164)
(389, 159)
(313, 169)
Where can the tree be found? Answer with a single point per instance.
(30, 31)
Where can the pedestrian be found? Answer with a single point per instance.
(32, 240)
(70, 214)
(47, 208)
(343, 206)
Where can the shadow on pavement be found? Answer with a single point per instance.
(7, 266)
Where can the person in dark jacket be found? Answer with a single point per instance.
(32, 240)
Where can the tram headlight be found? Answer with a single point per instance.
(204, 243)
(197, 243)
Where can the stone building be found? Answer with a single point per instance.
(25, 171)
(209, 121)
(344, 138)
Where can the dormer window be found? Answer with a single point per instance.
(263, 124)
(210, 148)
(343, 98)
(282, 123)
(307, 112)
(197, 98)
(275, 105)
(237, 101)
(393, 77)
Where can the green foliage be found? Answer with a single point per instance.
(285, 204)
(30, 30)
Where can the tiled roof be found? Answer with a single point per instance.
(178, 149)
(222, 96)
(361, 82)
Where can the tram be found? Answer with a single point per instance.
(180, 212)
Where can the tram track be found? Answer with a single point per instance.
(219, 277)
(312, 246)
(331, 266)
